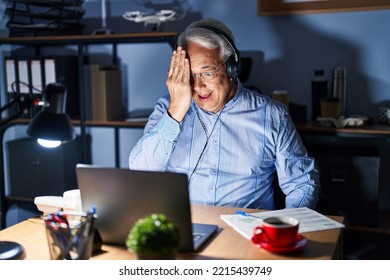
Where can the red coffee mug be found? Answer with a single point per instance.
(277, 231)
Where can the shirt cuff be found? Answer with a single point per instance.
(168, 127)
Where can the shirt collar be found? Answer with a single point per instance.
(237, 95)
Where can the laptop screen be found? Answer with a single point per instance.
(122, 196)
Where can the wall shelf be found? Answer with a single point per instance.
(150, 37)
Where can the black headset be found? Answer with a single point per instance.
(233, 62)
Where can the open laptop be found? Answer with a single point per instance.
(122, 196)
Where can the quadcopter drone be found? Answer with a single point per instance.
(150, 17)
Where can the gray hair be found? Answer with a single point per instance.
(197, 34)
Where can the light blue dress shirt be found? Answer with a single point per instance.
(230, 157)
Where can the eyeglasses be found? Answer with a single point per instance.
(207, 75)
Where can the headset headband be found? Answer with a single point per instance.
(226, 37)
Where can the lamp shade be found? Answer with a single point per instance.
(52, 123)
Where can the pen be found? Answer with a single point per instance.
(242, 213)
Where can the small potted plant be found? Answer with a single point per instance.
(154, 237)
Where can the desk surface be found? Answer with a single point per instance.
(226, 244)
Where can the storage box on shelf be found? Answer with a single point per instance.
(39, 17)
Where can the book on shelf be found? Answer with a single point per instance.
(28, 75)
(10, 73)
(20, 77)
(103, 88)
(36, 75)
(24, 72)
(24, 75)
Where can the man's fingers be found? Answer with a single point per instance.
(170, 70)
(178, 66)
(186, 72)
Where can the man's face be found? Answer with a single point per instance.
(209, 94)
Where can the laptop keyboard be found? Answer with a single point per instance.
(197, 235)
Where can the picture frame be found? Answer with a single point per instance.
(285, 7)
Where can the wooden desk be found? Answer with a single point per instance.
(226, 244)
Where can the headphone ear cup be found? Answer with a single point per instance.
(232, 67)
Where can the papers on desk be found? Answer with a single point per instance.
(309, 220)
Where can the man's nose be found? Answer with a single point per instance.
(197, 82)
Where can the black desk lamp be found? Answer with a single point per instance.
(50, 126)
